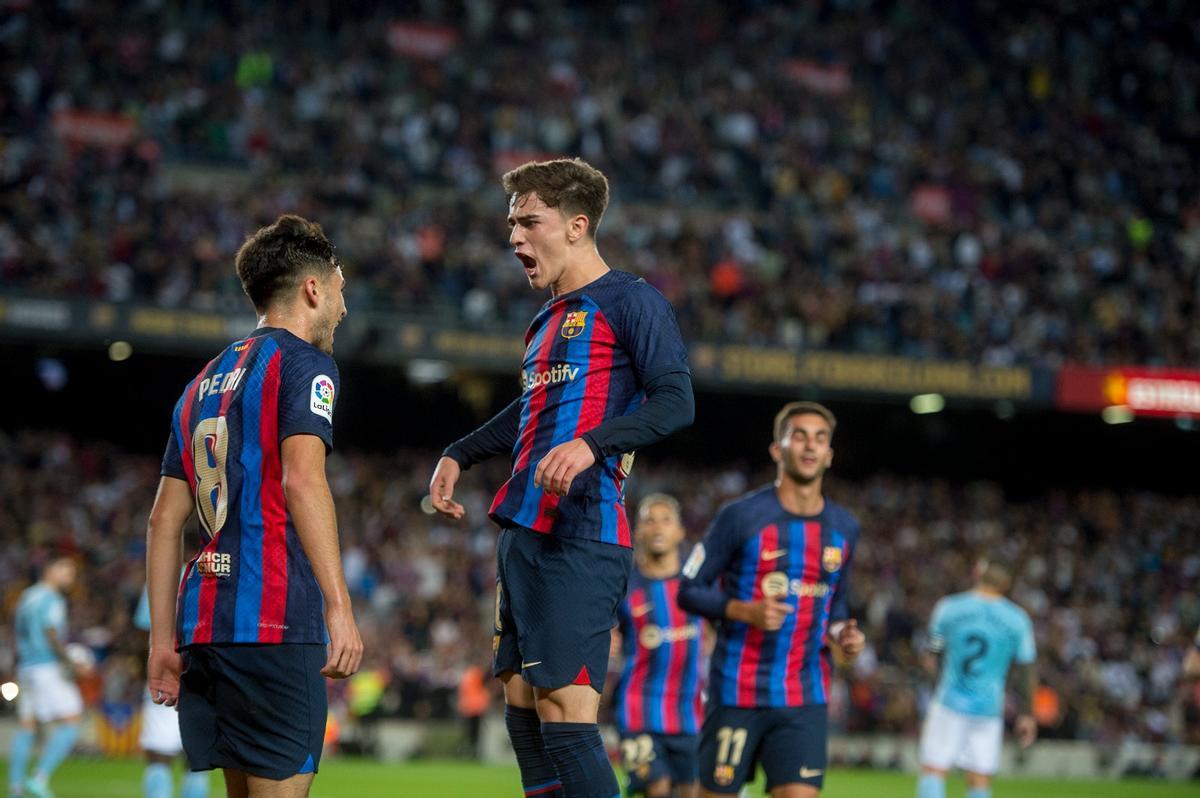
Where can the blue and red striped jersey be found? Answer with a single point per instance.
(753, 548)
(659, 690)
(588, 356)
(250, 582)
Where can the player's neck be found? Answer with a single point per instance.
(285, 319)
(579, 271)
(661, 566)
(983, 591)
(800, 498)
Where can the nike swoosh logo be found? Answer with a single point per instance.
(774, 554)
(530, 664)
(810, 773)
(642, 609)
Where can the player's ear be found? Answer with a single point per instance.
(776, 451)
(312, 289)
(829, 459)
(577, 227)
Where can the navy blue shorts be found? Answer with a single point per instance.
(646, 758)
(556, 605)
(789, 743)
(260, 709)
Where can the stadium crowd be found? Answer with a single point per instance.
(997, 182)
(1107, 580)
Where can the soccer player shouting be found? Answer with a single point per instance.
(772, 571)
(263, 610)
(657, 707)
(605, 373)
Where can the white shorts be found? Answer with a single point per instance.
(951, 739)
(47, 693)
(160, 729)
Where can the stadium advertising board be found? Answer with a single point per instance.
(1145, 391)
(389, 338)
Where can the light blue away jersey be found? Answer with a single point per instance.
(978, 637)
(40, 607)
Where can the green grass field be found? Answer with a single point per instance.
(353, 778)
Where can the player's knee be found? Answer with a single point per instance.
(659, 789)
(977, 781)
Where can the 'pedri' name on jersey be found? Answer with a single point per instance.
(220, 383)
(560, 373)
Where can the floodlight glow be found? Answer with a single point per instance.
(925, 403)
(1117, 414)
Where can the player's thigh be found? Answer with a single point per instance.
(517, 692)
(572, 703)
(235, 783)
(563, 595)
(293, 787)
(643, 758)
(729, 744)
(795, 750)
(942, 734)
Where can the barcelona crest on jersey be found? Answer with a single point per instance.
(573, 323)
(831, 558)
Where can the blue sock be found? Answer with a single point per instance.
(580, 759)
(980, 792)
(156, 780)
(18, 757)
(61, 741)
(538, 776)
(931, 786)
(195, 785)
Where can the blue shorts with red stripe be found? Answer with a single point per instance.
(256, 708)
(556, 605)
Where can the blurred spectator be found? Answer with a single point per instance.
(993, 182)
(1108, 580)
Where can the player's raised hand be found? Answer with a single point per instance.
(770, 613)
(163, 669)
(850, 639)
(558, 469)
(1025, 728)
(345, 644)
(441, 488)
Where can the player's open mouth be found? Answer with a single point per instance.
(528, 262)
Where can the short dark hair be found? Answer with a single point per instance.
(277, 257)
(571, 185)
(800, 409)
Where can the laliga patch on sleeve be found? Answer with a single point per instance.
(321, 397)
(692, 566)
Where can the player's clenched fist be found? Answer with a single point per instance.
(768, 614)
(441, 488)
(850, 639)
(558, 469)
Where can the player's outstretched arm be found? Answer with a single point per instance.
(310, 503)
(173, 506)
(498, 435)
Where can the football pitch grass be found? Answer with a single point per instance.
(357, 778)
